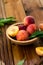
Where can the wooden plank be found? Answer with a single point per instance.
(29, 4)
(9, 50)
(7, 55)
(10, 9)
(39, 3)
(18, 53)
(2, 58)
(15, 8)
(4, 40)
(5, 47)
(20, 10)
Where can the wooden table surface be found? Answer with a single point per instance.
(11, 54)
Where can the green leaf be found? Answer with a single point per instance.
(7, 20)
(36, 34)
(1, 24)
(20, 62)
(41, 36)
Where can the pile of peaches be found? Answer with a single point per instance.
(22, 32)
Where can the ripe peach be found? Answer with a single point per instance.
(31, 28)
(41, 26)
(22, 35)
(21, 27)
(29, 20)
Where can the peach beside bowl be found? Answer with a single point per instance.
(27, 42)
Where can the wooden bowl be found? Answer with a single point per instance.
(27, 42)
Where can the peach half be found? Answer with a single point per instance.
(39, 51)
(13, 30)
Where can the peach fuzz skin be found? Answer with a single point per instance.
(31, 28)
(41, 26)
(22, 35)
(29, 20)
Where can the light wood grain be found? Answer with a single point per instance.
(14, 8)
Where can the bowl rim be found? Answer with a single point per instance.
(19, 42)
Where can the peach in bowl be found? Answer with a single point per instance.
(19, 33)
(20, 37)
